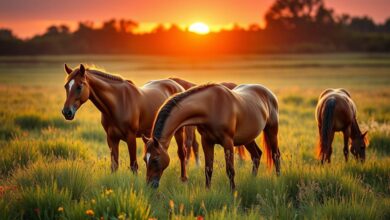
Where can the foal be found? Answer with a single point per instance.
(223, 116)
(337, 112)
(127, 111)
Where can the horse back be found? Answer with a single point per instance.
(185, 84)
(344, 109)
(166, 87)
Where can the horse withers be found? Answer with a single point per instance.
(223, 116)
(337, 112)
(127, 111)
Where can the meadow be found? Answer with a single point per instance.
(54, 169)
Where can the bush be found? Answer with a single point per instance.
(62, 149)
(72, 176)
(41, 202)
(120, 204)
(16, 154)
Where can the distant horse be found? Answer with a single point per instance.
(127, 111)
(190, 130)
(223, 116)
(337, 112)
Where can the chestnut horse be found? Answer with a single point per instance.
(190, 130)
(337, 112)
(223, 116)
(127, 111)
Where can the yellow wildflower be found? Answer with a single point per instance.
(122, 216)
(90, 212)
(93, 201)
(109, 192)
(171, 204)
(60, 209)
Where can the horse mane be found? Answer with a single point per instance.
(92, 69)
(167, 107)
(109, 76)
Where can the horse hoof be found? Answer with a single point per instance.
(184, 179)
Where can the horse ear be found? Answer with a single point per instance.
(82, 69)
(145, 139)
(155, 141)
(68, 70)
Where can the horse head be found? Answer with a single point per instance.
(77, 91)
(156, 159)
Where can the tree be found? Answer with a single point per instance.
(362, 24)
(127, 26)
(294, 14)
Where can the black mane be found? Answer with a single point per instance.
(166, 109)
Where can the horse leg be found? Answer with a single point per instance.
(181, 151)
(195, 148)
(132, 147)
(271, 136)
(255, 153)
(188, 133)
(208, 150)
(346, 134)
(229, 158)
(113, 145)
(329, 149)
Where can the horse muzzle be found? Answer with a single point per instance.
(68, 113)
(154, 183)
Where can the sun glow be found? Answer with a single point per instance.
(199, 28)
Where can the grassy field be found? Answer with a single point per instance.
(54, 169)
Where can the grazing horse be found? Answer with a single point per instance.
(337, 112)
(223, 116)
(190, 130)
(127, 111)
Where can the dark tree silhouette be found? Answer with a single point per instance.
(291, 26)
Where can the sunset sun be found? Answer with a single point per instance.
(199, 28)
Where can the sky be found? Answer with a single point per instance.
(29, 17)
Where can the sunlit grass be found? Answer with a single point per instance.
(62, 168)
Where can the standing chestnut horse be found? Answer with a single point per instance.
(223, 116)
(127, 111)
(190, 130)
(337, 112)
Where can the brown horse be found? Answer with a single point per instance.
(127, 111)
(337, 112)
(190, 130)
(223, 116)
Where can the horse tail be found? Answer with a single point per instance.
(268, 150)
(326, 127)
(241, 152)
(270, 143)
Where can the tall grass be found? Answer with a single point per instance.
(55, 169)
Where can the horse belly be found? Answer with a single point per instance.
(245, 134)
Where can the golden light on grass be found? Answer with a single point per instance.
(199, 28)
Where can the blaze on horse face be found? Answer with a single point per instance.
(358, 147)
(156, 159)
(77, 91)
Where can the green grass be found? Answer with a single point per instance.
(47, 163)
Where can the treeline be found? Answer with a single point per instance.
(292, 26)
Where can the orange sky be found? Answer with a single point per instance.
(29, 17)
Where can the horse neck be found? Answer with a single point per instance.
(179, 117)
(102, 92)
(355, 130)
